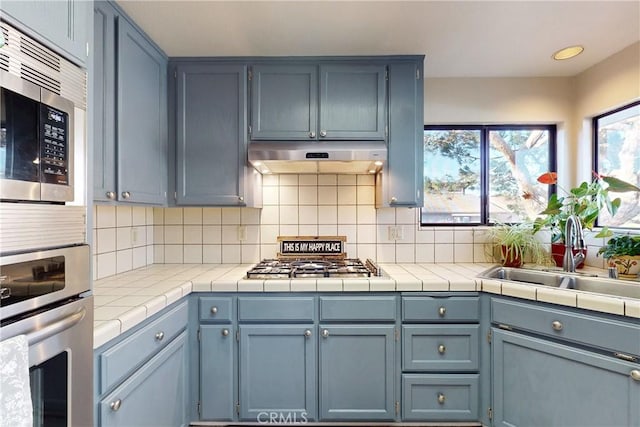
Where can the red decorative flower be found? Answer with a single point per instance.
(548, 178)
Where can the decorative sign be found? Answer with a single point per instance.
(311, 246)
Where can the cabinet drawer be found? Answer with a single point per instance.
(440, 347)
(121, 359)
(216, 309)
(358, 308)
(594, 331)
(277, 309)
(450, 397)
(446, 309)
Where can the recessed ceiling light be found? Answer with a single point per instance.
(568, 52)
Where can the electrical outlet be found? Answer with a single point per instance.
(391, 230)
(399, 232)
(134, 236)
(242, 233)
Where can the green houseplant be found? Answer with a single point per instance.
(512, 243)
(623, 253)
(586, 201)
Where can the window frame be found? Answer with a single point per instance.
(596, 150)
(484, 165)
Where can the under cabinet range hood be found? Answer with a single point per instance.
(339, 157)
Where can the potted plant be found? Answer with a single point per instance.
(623, 253)
(512, 243)
(585, 201)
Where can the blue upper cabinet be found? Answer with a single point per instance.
(63, 25)
(129, 110)
(142, 118)
(352, 102)
(402, 179)
(284, 102)
(211, 138)
(290, 102)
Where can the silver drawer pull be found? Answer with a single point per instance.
(126, 194)
(307, 333)
(442, 349)
(556, 325)
(111, 195)
(160, 336)
(325, 333)
(442, 311)
(115, 405)
(225, 332)
(441, 398)
(635, 375)
(214, 310)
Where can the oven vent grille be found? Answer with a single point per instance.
(40, 53)
(4, 62)
(28, 59)
(34, 76)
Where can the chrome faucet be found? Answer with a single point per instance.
(573, 240)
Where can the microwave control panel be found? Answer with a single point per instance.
(53, 136)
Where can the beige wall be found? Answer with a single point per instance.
(607, 85)
(569, 102)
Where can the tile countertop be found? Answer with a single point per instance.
(125, 300)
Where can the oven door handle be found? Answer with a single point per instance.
(42, 333)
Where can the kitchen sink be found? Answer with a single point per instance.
(558, 279)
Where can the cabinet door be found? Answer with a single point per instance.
(104, 73)
(543, 383)
(155, 395)
(357, 372)
(211, 141)
(277, 373)
(284, 102)
(403, 176)
(142, 118)
(63, 25)
(352, 102)
(217, 372)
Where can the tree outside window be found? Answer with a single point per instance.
(485, 174)
(617, 149)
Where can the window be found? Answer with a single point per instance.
(617, 153)
(485, 174)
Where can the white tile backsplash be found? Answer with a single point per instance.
(128, 237)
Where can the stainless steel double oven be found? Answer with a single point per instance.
(42, 295)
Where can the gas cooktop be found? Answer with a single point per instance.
(315, 268)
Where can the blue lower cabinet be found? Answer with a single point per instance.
(544, 383)
(357, 372)
(155, 395)
(440, 397)
(277, 373)
(217, 383)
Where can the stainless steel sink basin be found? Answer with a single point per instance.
(562, 280)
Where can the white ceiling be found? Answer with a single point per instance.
(472, 38)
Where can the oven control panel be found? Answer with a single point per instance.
(54, 137)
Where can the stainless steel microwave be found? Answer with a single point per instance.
(36, 142)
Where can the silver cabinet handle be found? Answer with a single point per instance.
(312, 134)
(159, 336)
(225, 332)
(115, 405)
(394, 199)
(126, 194)
(214, 310)
(111, 195)
(442, 311)
(442, 349)
(635, 375)
(325, 333)
(240, 198)
(441, 398)
(556, 325)
(323, 133)
(307, 333)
